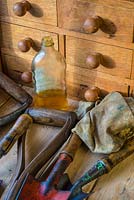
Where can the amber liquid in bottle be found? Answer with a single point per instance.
(49, 77)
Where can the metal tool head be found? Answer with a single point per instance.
(32, 190)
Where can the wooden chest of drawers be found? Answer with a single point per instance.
(85, 31)
(97, 39)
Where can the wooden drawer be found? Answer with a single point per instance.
(132, 73)
(41, 11)
(78, 79)
(116, 61)
(117, 17)
(15, 59)
(132, 91)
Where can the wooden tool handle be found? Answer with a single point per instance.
(114, 158)
(69, 120)
(102, 166)
(19, 128)
(51, 117)
(73, 145)
(13, 89)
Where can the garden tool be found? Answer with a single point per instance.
(47, 117)
(100, 168)
(48, 190)
(17, 93)
(19, 128)
(33, 189)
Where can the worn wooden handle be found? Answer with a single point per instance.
(24, 45)
(50, 117)
(92, 24)
(20, 8)
(117, 157)
(101, 167)
(69, 120)
(73, 145)
(19, 128)
(94, 60)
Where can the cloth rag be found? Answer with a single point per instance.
(106, 127)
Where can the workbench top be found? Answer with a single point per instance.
(117, 185)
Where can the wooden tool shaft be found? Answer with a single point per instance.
(13, 89)
(73, 145)
(102, 166)
(50, 117)
(114, 158)
(18, 129)
(64, 160)
(50, 148)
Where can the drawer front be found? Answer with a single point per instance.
(116, 61)
(78, 80)
(41, 11)
(132, 74)
(116, 22)
(15, 59)
(132, 90)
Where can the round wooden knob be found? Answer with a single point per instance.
(92, 24)
(25, 44)
(92, 94)
(94, 60)
(20, 8)
(26, 77)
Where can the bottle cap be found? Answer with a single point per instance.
(47, 41)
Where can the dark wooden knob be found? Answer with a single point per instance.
(92, 24)
(94, 60)
(20, 8)
(25, 44)
(26, 77)
(92, 94)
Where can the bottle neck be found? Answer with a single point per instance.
(47, 49)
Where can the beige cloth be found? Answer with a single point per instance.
(106, 127)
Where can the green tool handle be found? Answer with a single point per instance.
(18, 129)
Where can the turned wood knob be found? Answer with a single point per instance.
(92, 24)
(20, 8)
(94, 60)
(92, 94)
(26, 77)
(25, 44)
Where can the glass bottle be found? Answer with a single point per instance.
(48, 69)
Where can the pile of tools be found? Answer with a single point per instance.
(56, 184)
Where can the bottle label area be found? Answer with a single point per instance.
(45, 81)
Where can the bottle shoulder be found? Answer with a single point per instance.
(48, 58)
(39, 56)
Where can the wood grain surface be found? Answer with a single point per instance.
(61, 19)
(9, 46)
(62, 31)
(41, 12)
(117, 61)
(118, 21)
(117, 185)
(78, 80)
